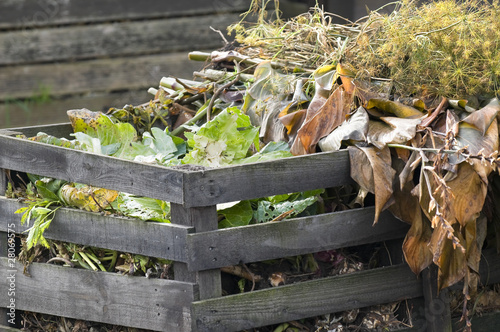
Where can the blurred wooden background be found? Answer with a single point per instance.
(57, 55)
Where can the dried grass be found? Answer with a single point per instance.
(445, 48)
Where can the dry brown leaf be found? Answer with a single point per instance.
(371, 169)
(354, 129)
(391, 130)
(483, 118)
(407, 208)
(469, 192)
(451, 262)
(331, 114)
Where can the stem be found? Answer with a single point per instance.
(88, 261)
(181, 128)
(400, 146)
(113, 261)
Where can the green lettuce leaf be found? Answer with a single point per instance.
(222, 141)
(237, 215)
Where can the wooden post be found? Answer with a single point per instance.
(437, 306)
(203, 219)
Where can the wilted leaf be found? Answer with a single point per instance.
(480, 130)
(293, 121)
(391, 130)
(86, 197)
(355, 128)
(469, 192)
(332, 113)
(81, 119)
(416, 244)
(396, 108)
(407, 208)
(144, 208)
(371, 169)
(461, 201)
(450, 260)
(346, 76)
(267, 94)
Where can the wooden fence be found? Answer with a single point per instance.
(57, 55)
(194, 301)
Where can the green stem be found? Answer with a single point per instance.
(88, 261)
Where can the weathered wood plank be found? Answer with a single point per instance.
(113, 39)
(306, 299)
(437, 305)
(28, 14)
(116, 74)
(202, 219)
(58, 130)
(294, 174)
(96, 170)
(116, 233)
(155, 304)
(21, 113)
(486, 323)
(290, 237)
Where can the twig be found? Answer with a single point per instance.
(218, 92)
(184, 108)
(61, 259)
(243, 273)
(221, 35)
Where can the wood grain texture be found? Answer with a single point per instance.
(292, 237)
(3, 182)
(155, 304)
(437, 304)
(113, 39)
(306, 299)
(28, 14)
(96, 170)
(294, 174)
(116, 233)
(58, 130)
(104, 75)
(202, 219)
(22, 113)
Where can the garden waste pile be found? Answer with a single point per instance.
(413, 96)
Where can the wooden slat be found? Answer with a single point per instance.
(155, 304)
(202, 219)
(437, 304)
(58, 130)
(116, 74)
(28, 13)
(113, 39)
(290, 237)
(485, 323)
(227, 184)
(97, 170)
(93, 229)
(31, 113)
(306, 299)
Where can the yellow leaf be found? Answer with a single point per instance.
(87, 198)
(393, 107)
